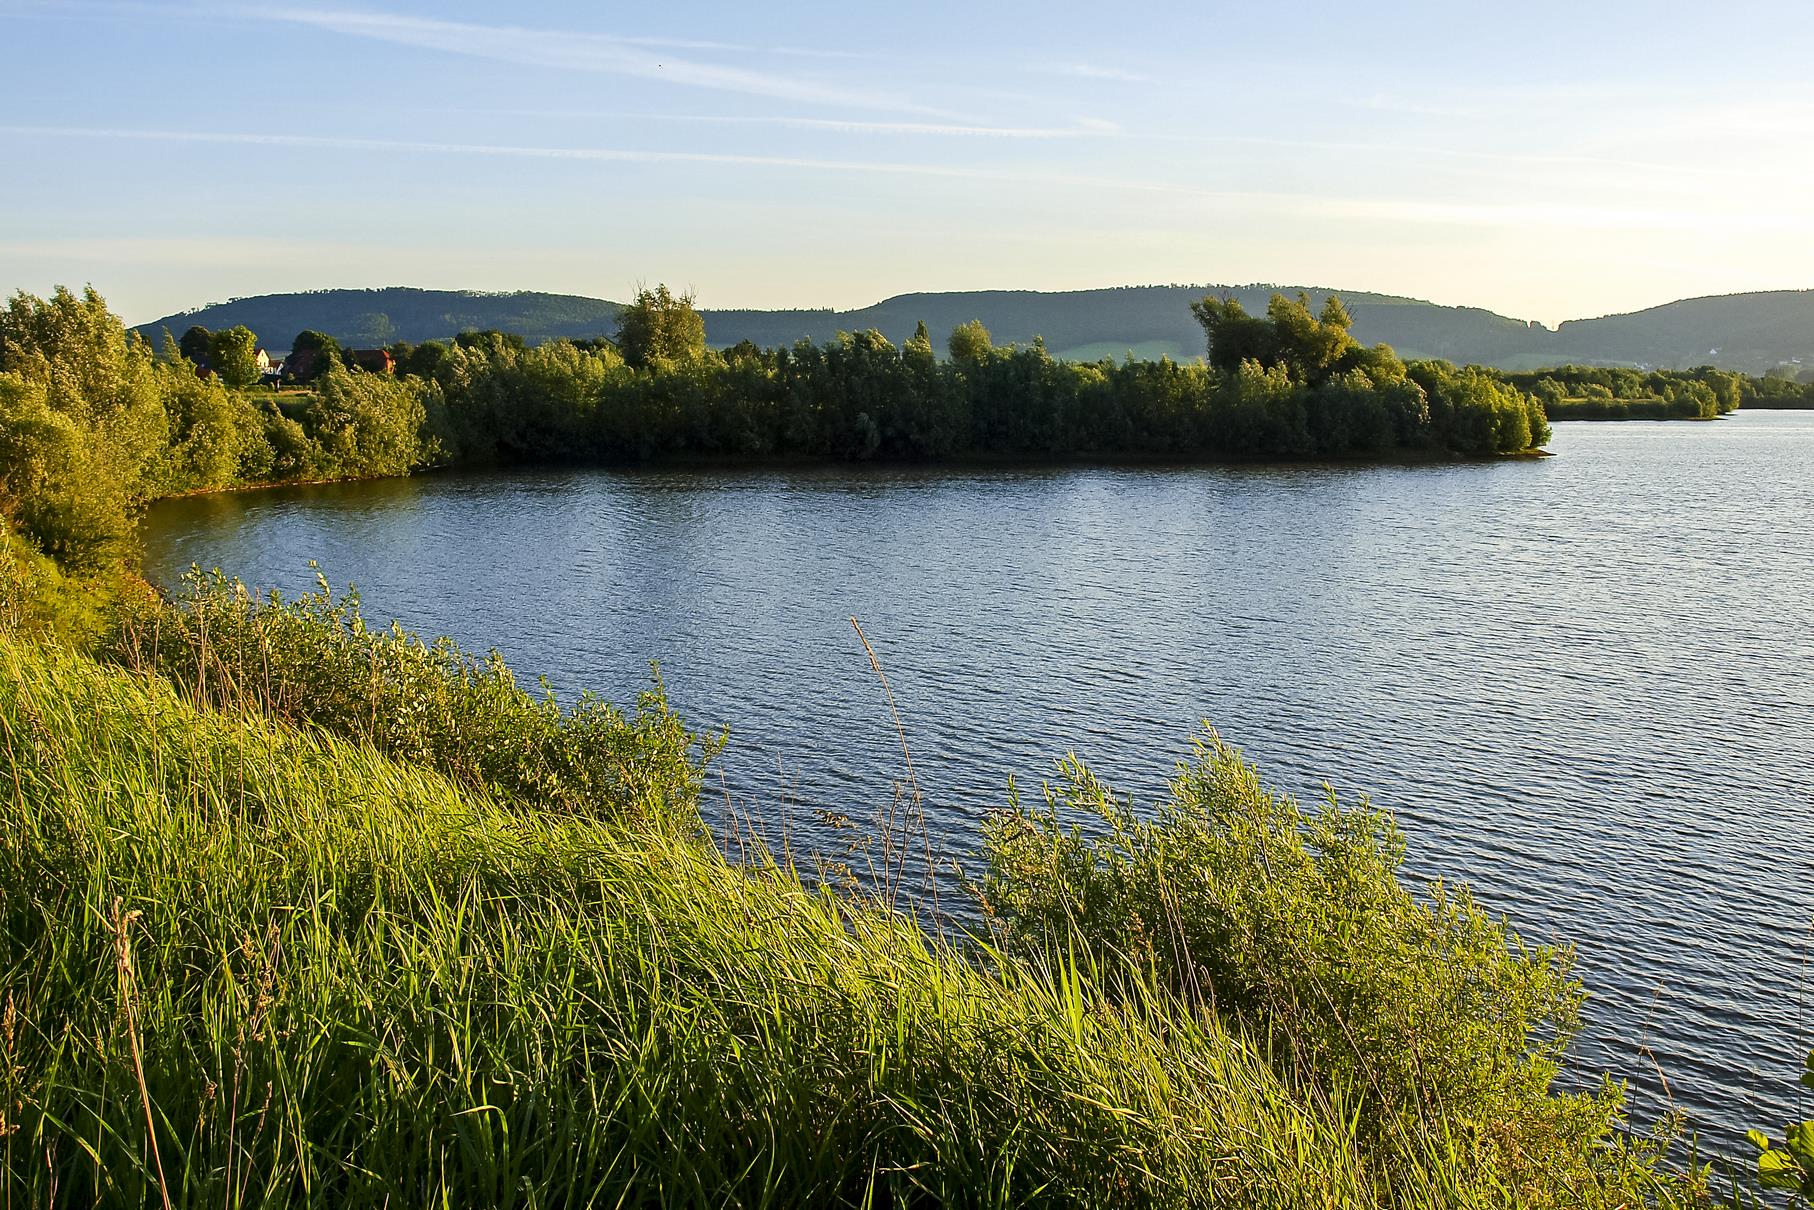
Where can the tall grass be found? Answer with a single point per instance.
(347, 981)
(256, 955)
(316, 662)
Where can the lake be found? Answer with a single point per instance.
(1585, 684)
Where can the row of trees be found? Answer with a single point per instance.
(1615, 392)
(1290, 384)
(92, 423)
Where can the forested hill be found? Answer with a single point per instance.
(1751, 332)
(366, 318)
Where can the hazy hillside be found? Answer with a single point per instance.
(374, 317)
(1751, 332)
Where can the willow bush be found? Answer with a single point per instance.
(1294, 927)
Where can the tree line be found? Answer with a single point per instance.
(93, 422)
(93, 425)
(1618, 393)
(1290, 384)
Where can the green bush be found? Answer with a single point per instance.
(366, 424)
(38, 599)
(315, 662)
(1294, 927)
(251, 967)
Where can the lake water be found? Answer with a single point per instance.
(1584, 683)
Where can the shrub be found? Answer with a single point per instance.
(314, 661)
(247, 966)
(1294, 927)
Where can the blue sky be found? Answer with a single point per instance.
(1545, 160)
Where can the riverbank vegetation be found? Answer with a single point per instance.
(1612, 393)
(93, 424)
(264, 944)
(296, 910)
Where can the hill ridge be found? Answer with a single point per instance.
(1753, 331)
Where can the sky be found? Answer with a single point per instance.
(1546, 160)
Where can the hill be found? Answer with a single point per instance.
(1751, 332)
(381, 317)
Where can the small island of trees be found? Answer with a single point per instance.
(93, 423)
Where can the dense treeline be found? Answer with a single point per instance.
(1287, 385)
(1619, 393)
(1775, 390)
(93, 424)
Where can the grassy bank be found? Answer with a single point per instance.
(264, 946)
(300, 911)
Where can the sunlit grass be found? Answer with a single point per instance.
(247, 964)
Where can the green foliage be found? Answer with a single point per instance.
(1473, 411)
(1302, 385)
(39, 600)
(312, 354)
(1788, 1165)
(660, 328)
(195, 344)
(970, 343)
(1293, 927)
(233, 354)
(251, 965)
(214, 435)
(92, 426)
(365, 424)
(82, 425)
(1311, 348)
(315, 662)
(1779, 391)
(1616, 393)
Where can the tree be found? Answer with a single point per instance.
(660, 326)
(311, 355)
(194, 345)
(233, 354)
(82, 426)
(970, 342)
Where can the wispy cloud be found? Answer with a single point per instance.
(1093, 71)
(1410, 211)
(1084, 127)
(627, 155)
(584, 51)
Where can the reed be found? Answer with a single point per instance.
(248, 961)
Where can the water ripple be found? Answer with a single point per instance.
(1583, 683)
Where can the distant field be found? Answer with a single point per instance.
(1146, 350)
(1521, 362)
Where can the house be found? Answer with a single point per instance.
(263, 359)
(374, 361)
